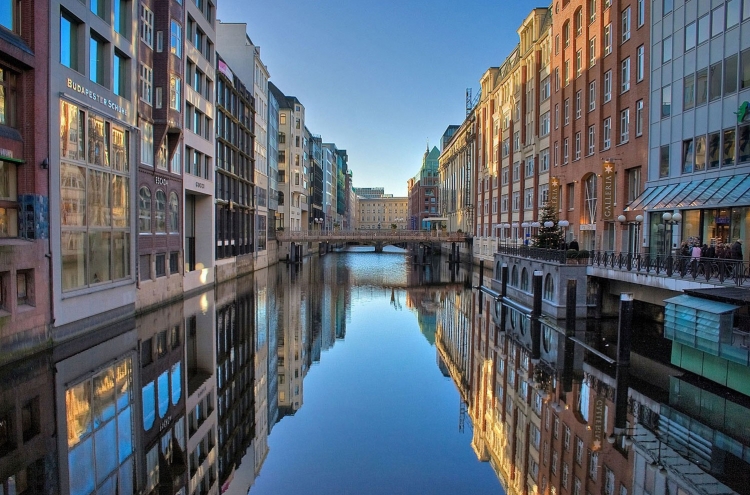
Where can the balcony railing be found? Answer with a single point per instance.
(717, 270)
(712, 270)
(541, 254)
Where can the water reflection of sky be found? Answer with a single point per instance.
(378, 414)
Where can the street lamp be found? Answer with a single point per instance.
(634, 239)
(515, 231)
(564, 225)
(670, 220)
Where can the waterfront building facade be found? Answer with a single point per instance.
(599, 115)
(457, 195)
(513, 156)
(25, 174)
(293, 189)
(235, 165)
(317, 178)
(199, 143)
(160, 123)
(382, 213)
(699, 156)
(93, 129)
(423, 191)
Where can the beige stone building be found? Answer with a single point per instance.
(382, 213)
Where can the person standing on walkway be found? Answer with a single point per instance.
(737, 250)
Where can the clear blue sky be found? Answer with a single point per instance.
(380, 78)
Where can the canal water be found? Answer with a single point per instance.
(363, 373)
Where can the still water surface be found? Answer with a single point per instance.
(361, 373)
(379, 415)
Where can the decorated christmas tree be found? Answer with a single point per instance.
(548, 237)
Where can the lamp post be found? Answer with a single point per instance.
(670, 220)
(634, 238)
(514, 226)
(564, 225)
(525, 226)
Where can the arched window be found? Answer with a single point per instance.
(525, 280)
(549, 288)
(174, 213)
(160, 211)
(498, 270)
(566, 33)
(144, 210)
(514, 277)
(578, 18)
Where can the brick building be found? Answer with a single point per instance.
(423, 191)
(160, 120)
(600, 97)
(24, 176)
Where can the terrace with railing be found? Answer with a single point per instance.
(719, 271)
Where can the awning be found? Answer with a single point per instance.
(714, 192)
(17, 161)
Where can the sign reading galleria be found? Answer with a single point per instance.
(112, 105)
(608, 191)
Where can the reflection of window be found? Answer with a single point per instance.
(176, 38)
(97, 63)
(160, 211)
(163, 393)
(100, 431)
(549, 287)
(714, 157)
(728, 147)
(7, 97)
(175, 90)
(174, 213)
(69, 28)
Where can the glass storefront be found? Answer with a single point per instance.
(713, 227)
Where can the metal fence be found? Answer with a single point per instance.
(718, 270)
(715, 270)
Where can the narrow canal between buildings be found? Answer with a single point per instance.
(363, 373)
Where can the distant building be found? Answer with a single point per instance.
(382, 213)
(369, 192)
(423, 191)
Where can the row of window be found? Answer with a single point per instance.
(717, 149)
(161, 224)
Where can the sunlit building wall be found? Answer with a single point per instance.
(293, 187)
(92, 119)
(457, 177)
(382, 213)
(599, 115)
(423, 191)
(199, 141)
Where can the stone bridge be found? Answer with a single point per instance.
(377, 238)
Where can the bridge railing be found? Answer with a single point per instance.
(390, 235)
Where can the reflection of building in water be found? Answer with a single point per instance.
(235, 374)
(202, 380)
(27, 427)
(96, 389)
(425, 301)
(290, 346)
(163, 435)
(453, 337)
(261, 357)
